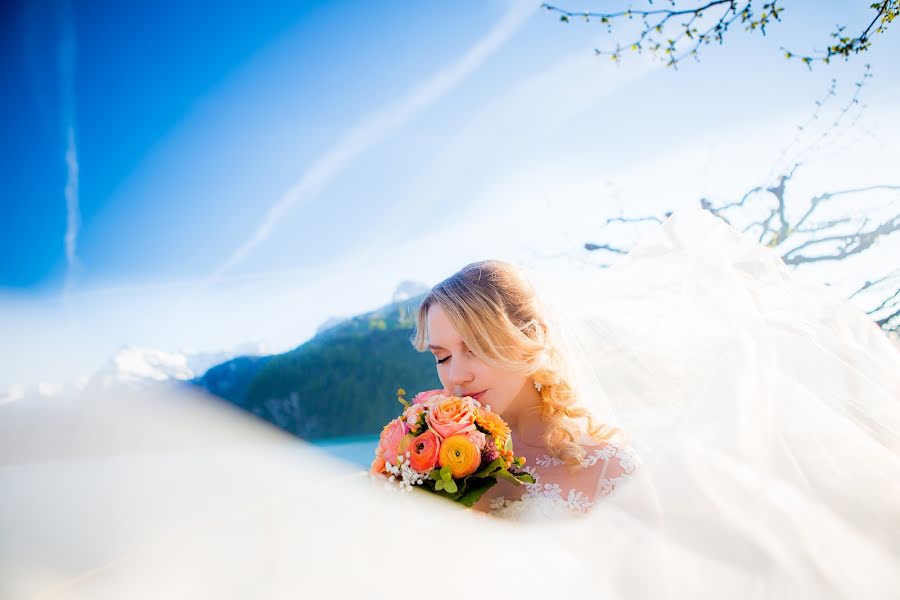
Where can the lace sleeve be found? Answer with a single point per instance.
(615, 464)
(556, 491)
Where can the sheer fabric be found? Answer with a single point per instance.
(557, 493)
(763, 408)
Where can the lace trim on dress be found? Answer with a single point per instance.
(575, 501)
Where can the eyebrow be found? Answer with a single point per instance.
(436, 347)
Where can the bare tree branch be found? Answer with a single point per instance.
(778, 227)
(852, 243)
(635, 219)
(590, 246)
(884, 323)
(869, 284)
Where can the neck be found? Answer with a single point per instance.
(524, 419)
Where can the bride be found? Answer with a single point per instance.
(492, 340)
(714, 425)
(750, 442)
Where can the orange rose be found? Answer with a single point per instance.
(452, 415)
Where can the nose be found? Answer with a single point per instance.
(459, 376)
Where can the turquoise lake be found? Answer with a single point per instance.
(359, 450)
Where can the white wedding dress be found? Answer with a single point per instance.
(554, 495)
(762, 461)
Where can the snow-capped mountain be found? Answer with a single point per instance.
(407, 289)
(135, 364)
(131, 364)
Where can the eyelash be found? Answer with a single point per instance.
(445, 359)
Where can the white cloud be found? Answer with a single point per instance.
(15, 392)
(49, 388)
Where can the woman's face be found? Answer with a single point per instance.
(464, 374)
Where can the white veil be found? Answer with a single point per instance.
(697, 305)
(765, 410)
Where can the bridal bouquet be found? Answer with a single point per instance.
(449, 445)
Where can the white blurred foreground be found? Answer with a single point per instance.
(765, 408)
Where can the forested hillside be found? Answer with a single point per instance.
(342, 382)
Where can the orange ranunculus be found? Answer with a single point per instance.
(424, 451)
(452, 415)
(460, 455)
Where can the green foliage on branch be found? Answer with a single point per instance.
(665, 35)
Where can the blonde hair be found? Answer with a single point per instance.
(495, 309)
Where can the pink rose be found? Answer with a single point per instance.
(478, 438)
(421, 397)
(377, 466)
(452, 415)
(391, 437)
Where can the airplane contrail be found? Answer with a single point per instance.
(67, 75)
(375, 126)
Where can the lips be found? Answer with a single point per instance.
(476, 396)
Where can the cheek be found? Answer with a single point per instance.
(442, 374)
(509, 384)
(499, 381)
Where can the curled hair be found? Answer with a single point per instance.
(495, 309)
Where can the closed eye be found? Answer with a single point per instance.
(445, 359)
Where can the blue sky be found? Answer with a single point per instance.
(241, 173)
(140, 72)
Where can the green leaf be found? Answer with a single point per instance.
(487, 470)
(504, 474)
(508, 445)
(450, 485)
(476, 490)
(528, 477)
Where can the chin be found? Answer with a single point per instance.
(496, 407)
